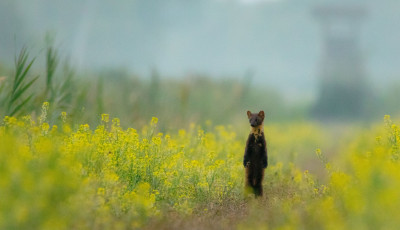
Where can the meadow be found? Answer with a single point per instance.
(54, 177)
(75, 157)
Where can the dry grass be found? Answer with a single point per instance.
(228, 214)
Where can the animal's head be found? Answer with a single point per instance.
(256, 119)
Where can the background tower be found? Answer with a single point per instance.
(343, 86)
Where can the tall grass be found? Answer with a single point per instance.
(21, 84)
(65, 89)
(179, 101)
(51, 66)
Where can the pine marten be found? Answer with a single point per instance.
(255, 155)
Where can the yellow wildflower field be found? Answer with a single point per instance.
(107, 177)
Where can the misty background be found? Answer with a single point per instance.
(277, 44)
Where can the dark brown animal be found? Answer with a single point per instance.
(255, 155)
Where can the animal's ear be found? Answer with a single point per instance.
(248, 114)
(261, 114)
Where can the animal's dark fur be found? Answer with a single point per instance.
(255, 155)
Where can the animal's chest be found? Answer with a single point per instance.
(256, 144)
(256, 153)
(256, 147)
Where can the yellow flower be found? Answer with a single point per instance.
(101, 191)
(154, 121)
(64, 117)
(105, 117)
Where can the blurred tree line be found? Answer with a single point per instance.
(176, 102)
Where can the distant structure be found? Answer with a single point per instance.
(343, 89)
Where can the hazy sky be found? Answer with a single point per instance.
(278, 40)
(257, 1)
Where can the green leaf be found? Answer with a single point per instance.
(21, 91)
(20, 105)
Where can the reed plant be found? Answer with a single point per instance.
(21, 83)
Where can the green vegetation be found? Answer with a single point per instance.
(67, 162)
(176, 102)
(55, 177)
